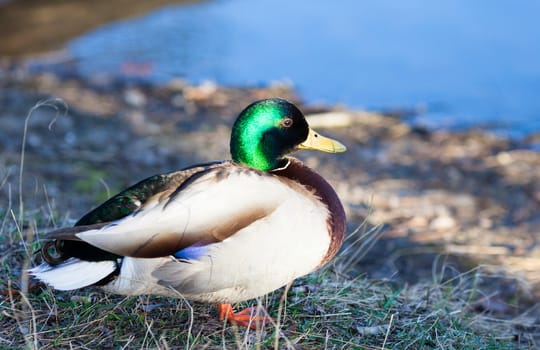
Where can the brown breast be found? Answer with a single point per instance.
(297, 171)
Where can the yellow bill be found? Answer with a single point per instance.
(316, 141)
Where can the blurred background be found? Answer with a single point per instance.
(445, 64)
(436, 101)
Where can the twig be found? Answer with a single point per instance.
(51, 103)
(387, 331)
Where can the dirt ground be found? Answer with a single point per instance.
(439, 199)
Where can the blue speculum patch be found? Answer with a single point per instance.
(191, 253)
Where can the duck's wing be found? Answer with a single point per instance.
(209, 206)
(133, 198)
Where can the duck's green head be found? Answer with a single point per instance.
(267, 130)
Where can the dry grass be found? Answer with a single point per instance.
(325, 310)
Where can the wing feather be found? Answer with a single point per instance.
(133, 198)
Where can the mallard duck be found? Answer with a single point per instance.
(220, 232)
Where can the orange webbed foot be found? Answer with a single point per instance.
(252, 317)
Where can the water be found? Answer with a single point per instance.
(466, 62)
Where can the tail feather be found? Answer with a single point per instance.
(73, 273)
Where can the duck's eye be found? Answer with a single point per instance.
(287, 122)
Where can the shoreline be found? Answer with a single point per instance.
(59, 66)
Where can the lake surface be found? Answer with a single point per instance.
(464, 62)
